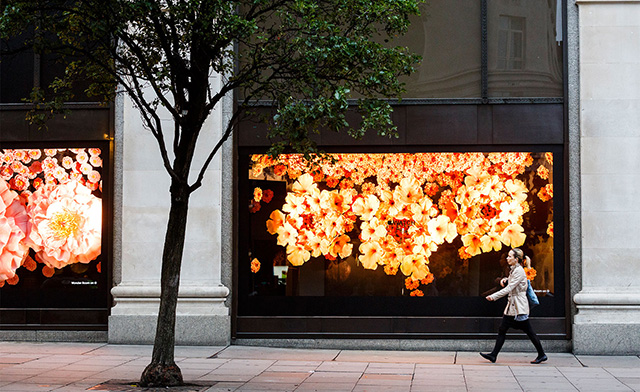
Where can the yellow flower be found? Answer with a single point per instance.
(422, 209)
(409, 191)
(371, 254)
(294, 204)
(441, 229)
(415, 266)
(424, 245)
(257, 194)
(473, 244)
(517, 189)
(341, 247)
(297, 254)
(510, 212)
(287, 234)
(372, 230)
(305, 184)
(513, 236)
(276, 220)
(366, 207)
(491, 241)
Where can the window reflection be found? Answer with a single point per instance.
(447, 36)
(524, 48)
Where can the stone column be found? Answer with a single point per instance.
(608, 318)
(141, 214)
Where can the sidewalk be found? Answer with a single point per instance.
(102, 367)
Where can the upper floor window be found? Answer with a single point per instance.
(487, 49)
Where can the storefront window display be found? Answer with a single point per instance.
(51, 228)
(394, 225)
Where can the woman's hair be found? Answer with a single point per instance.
(522, 259)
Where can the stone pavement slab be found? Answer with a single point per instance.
(397, 356)
(71, 367)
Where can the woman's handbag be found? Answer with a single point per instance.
(531, 296)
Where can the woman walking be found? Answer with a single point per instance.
(516, 314)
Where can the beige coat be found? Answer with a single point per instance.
(517, 302)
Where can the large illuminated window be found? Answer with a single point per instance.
(51, 228)
(409, 225)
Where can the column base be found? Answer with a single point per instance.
(607, 322)
(191, 330)
(201, 317)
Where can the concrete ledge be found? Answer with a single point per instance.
(512, 344)
(191, 330)
(606, 338)
(54, 336)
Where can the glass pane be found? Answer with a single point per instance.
(394, 225)
(16, 77)
(447, 36)
(525, 48)
(51, 228)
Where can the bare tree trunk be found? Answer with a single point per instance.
(163, 371)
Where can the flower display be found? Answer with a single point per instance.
(66, 224)
(50, 209)
(396, 210)
(13, 229)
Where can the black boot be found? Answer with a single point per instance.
(490, 357)
(540, 359)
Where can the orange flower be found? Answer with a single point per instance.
(544, 195)
(462, 253)
(280, 170)
(390, 269)
(276, 220)
(417, 293)
(411, 283)
(267, 195)
(257, 195)
(255, 266)
(543, 172)
(531, 273)
(550, 229)
(428, 279)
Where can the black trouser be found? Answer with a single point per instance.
(524, 326)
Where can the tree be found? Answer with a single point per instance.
(311, 59)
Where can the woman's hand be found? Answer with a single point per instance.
(488, 297)
(503, 281)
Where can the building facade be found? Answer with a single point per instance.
(519, 129)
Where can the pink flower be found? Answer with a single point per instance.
(13, 228)
(67, 162)
(94, 151)
(82, 157)
(35, 154)
(94, 176)
(95, 161)
(66, 224)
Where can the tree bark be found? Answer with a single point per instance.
(163, 371)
